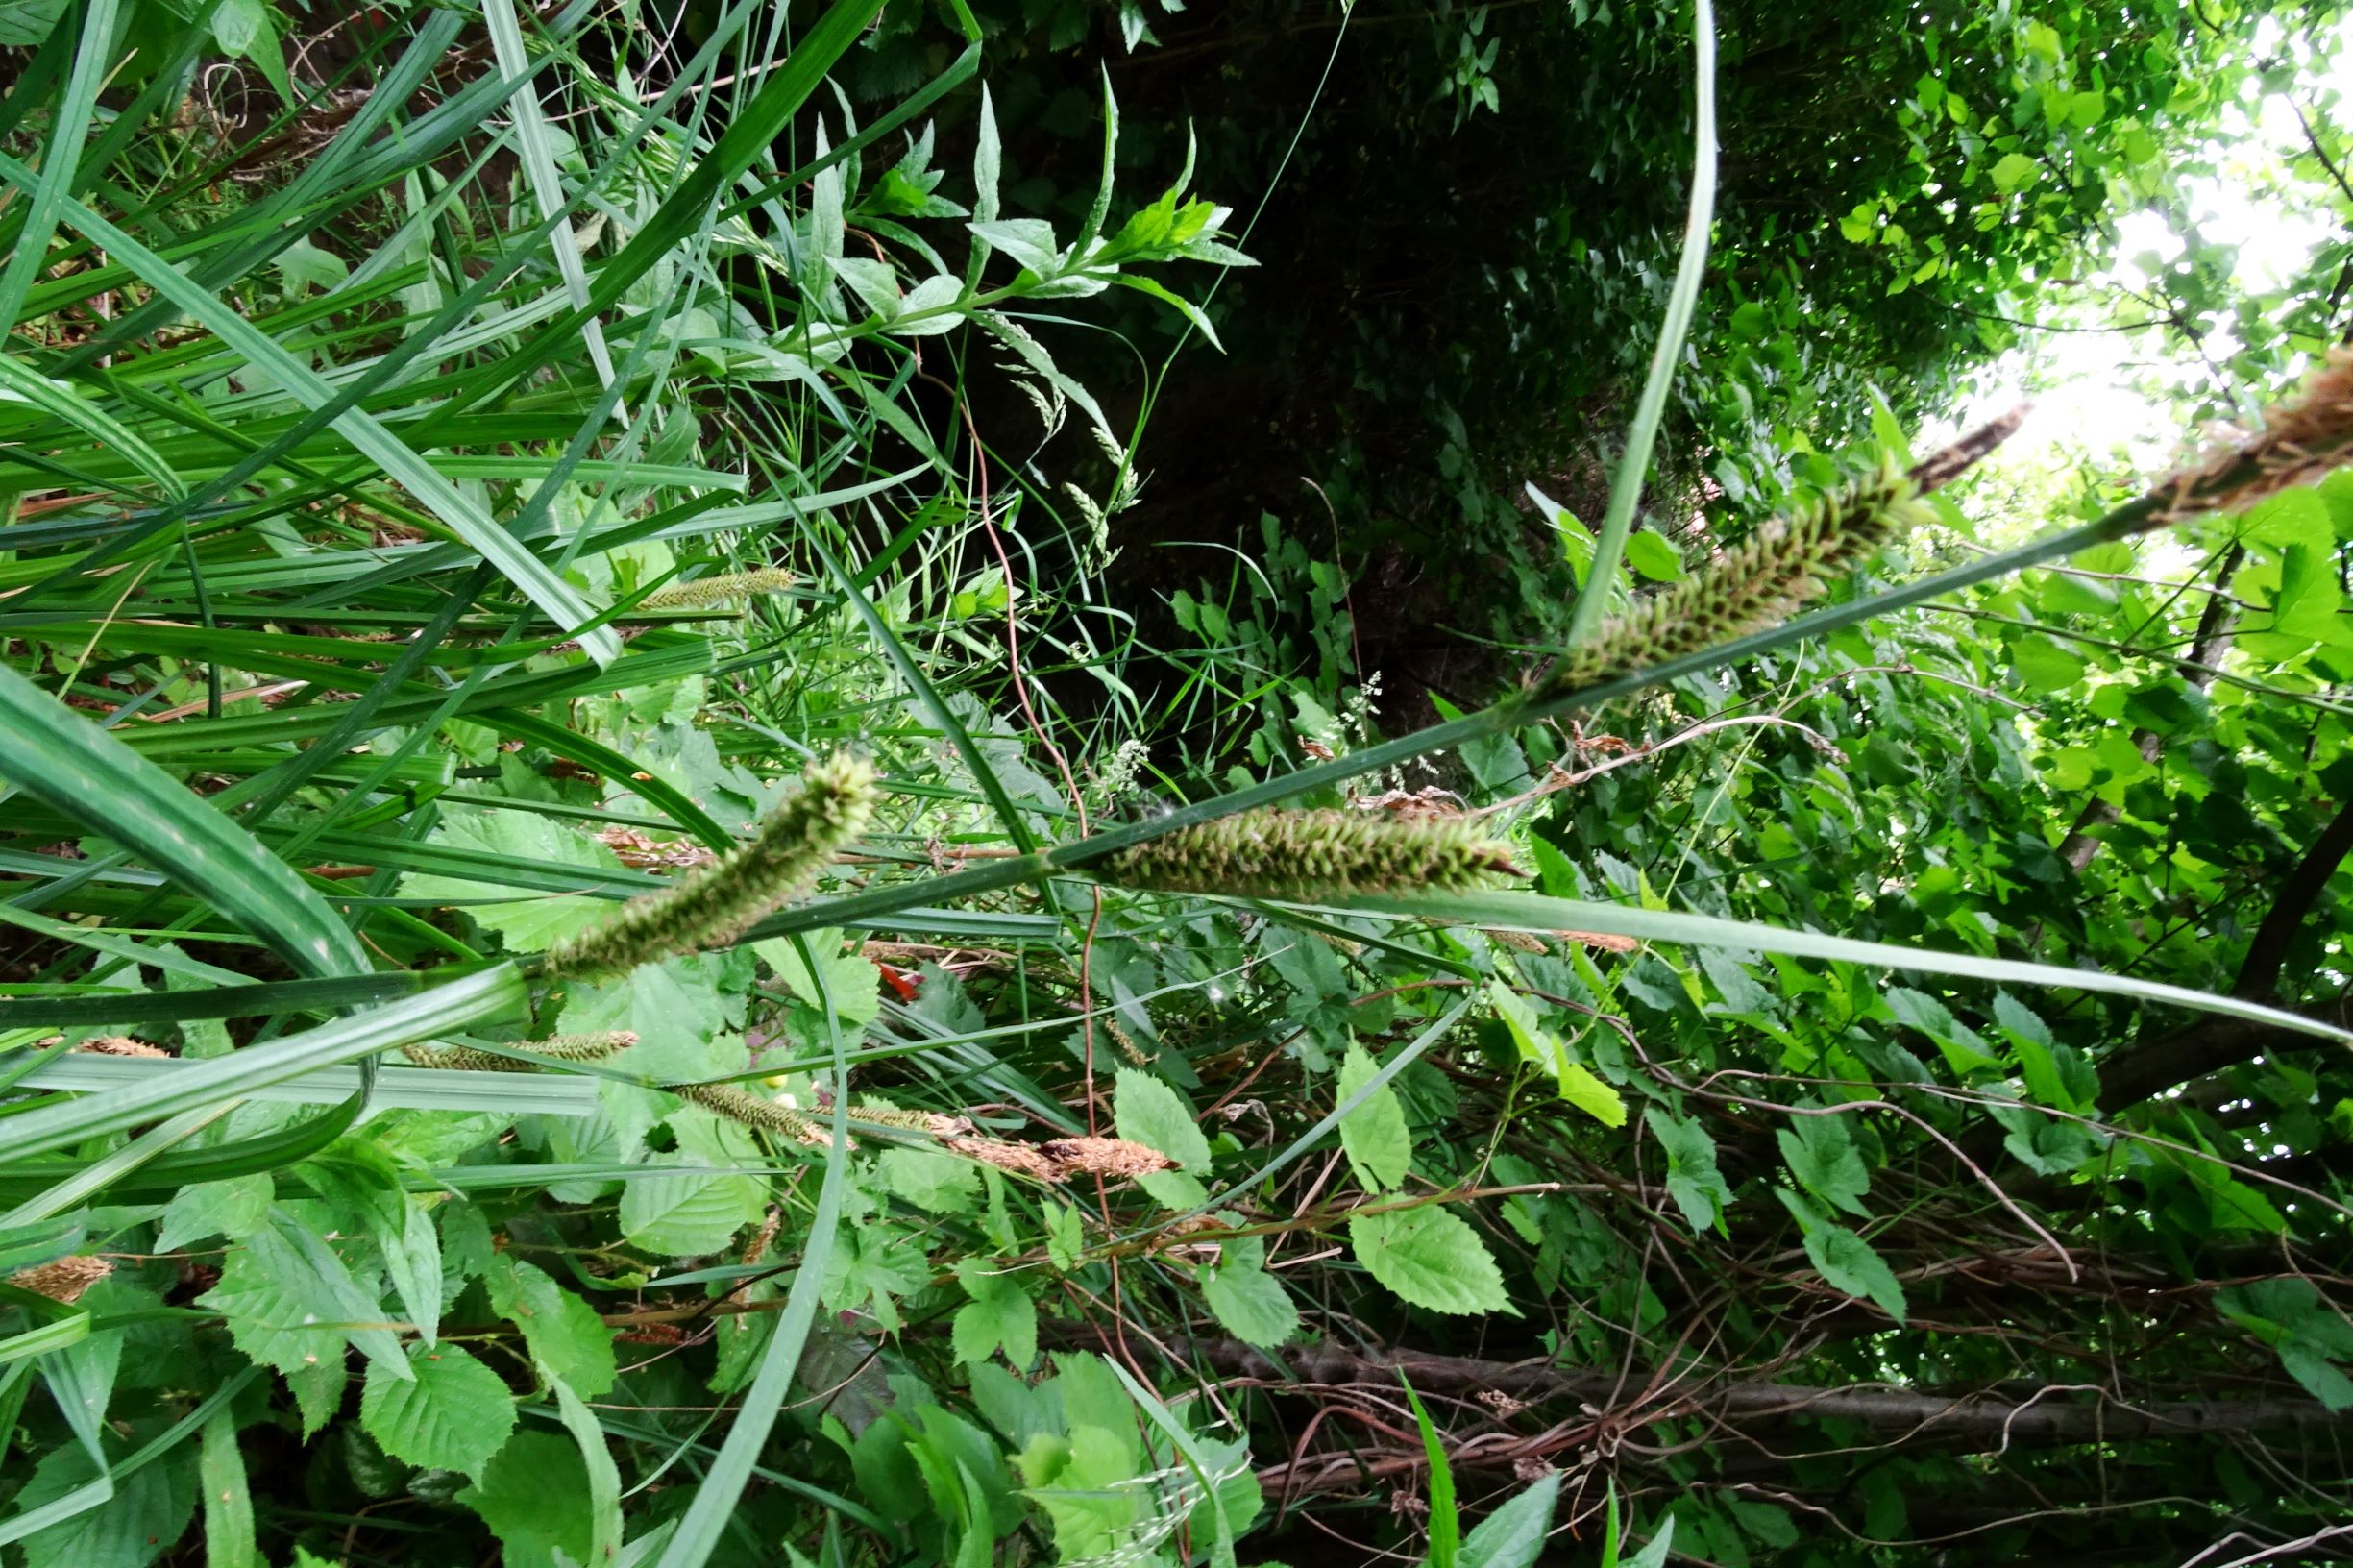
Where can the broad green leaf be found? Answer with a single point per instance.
(1379, 1144)
(292, 1304)
(1693, 1180)
(2015, 170)
(1650, 555)
(1845, 1261)
(998, 1315)
(1821, 1153)
(1514, 1535)
(1546, 1049)
(229, 1507)
(450, 1413)
(563, 1332)
(603, 1494)
(1430, 1257)
(1148, 1111)
(529, 1494)
(147, 1513)
(1251, 1305)
(851, 984)
(935, 1182)
(690, 1208)
(231, 1208)
(526, 920)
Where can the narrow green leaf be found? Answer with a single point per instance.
(1532, 912)
(83, 772)
(490, 992)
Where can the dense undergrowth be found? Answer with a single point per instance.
(616, 952)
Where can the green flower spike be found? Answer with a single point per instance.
(715, 905)
(1309, 856)
(1756, 583)
(718, 590)
(592, 1047)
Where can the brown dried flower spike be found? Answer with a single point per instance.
(65, 1280)
(2302, 439)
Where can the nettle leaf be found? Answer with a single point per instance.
(451, 1412)
(998, 1315)
(1693, 1180)
(146, 1516)
(1822, 1155)
(1250, 1304)
(691, 1209)
(526, 921)
(1430, 1257)
(562, 1331)
(1845, 1261)
(935, 1182)
(233, 1208)
(1156, 1115)
(529, 1495)
(293, 1306)
(1379, 1144)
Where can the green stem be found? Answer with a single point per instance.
(1626, 485)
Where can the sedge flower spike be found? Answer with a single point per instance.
(705, 591)
(1756, 583)
(1306, 856)
(715, 905)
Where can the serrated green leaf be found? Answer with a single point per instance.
(290, 1303)
(1150, 1113)
(1692, 1180)
(231, 1208)
(690, 1210)
(526, 920)
(1821, 1153)
(147, 1513)
(530, 1496)
(1379, 1144)
(563, 1332)
(998, 1315)
(850, 983)
(1430, 1257)
(1251, 1305)
(935, 1182)
(451, 1412)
